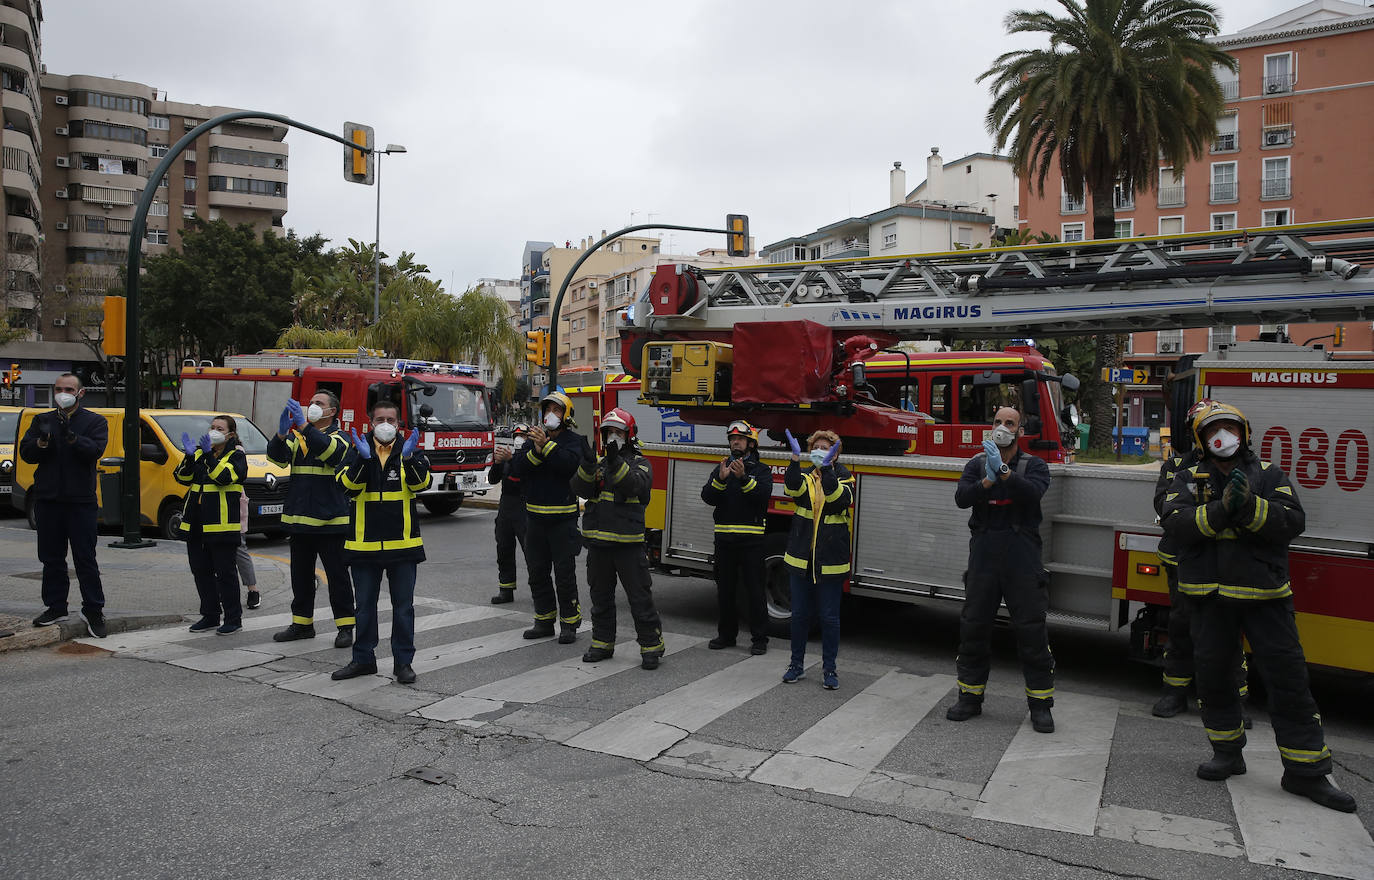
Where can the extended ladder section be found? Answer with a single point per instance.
(1275, 274)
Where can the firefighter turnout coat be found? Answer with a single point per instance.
(214, 486)
(315, 502)
(819, 541)
(547, 472)
(741, 504)
(384, 527)
(617, 491)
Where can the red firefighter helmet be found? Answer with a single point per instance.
(619, 418)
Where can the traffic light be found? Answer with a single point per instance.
(1338, 337)
(359, 165)
(537, 346)
(738, 239)
(12, 375)
(112, 327)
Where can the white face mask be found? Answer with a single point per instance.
(1224, 443)
(216, 437)
(818, 456)
(315, 413)
(1003, 436)
(385, 432)
(65, 400)
(552, 421)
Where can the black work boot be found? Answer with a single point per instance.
(542, 629)
(295, 632)
(1318, 789)
(1223, 765)
(504, 596)
(968, 706)
(344, 637)
(1041, 719)
(596, 653)
(1173, 701)
(650, 660)
(567, 634)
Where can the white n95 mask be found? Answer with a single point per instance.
(385, 433)
(552, 421)
(315, 413)
(1224, 444)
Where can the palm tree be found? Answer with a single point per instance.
(1123, 86)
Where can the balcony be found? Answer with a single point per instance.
(1123, 200)
(1230, 90)
(1171, 196)
(1072, 206)
(1228, 191)
(1226, 143)
(847, 247)
(1278, 84)
(1277, 188)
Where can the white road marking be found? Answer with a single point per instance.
(835, 755)
(1283, 829)
(147, 638)
(1055, 780)
(1168, 831)
(647, 730)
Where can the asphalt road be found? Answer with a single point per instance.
(126, 764)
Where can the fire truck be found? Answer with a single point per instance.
(811, 345)
(448, 403)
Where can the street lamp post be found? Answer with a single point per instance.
(377, 241)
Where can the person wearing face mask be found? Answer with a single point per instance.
(739, 489)
(213, 470)
(1233, 517)
(617, 489)
(510, 514)
(65, 443)
(1003, 486)
(551, 538)
(315, 513)
(817, 549)
(382, 477)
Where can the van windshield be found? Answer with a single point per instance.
(9, 423)
(455, 407)
(174, 423)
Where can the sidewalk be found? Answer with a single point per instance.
(146, 587)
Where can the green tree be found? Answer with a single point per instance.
(1122, 86)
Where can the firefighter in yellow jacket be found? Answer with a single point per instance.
(384, 537)
(213, 470)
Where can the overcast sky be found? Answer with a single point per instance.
(554, 121)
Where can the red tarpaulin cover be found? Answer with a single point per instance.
(782, 362)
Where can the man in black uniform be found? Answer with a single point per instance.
(510, 516)
(551, 538)
(65, 443)
(1233, 517)
(617, 490)
(310, 443)
(1003, 486)
(739, 491)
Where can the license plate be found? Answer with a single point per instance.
(5, 490)
(269, 509)
(469, 479)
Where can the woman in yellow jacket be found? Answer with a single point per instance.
(214, 469)
(817, 549)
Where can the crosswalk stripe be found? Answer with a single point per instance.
(241, 657)
(649, 729)
(544, 683)
(835, 755)
(1168, 831)
(148, 638)
(1283, 829)
(1055, 780)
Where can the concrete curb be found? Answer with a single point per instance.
(25, 635)
(484, 503)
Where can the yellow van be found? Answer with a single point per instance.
(161, 496)
(9, 441)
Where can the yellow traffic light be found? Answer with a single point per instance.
(1339, 336)
(359, 164)
(738, 240)
(112, 327)
(534, 346)
(15, 374)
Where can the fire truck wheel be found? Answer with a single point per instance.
(169, 519)
(442, 505)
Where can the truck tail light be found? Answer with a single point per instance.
(1147, 568)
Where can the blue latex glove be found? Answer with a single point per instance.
(205, 445)
(792, 441)
(297, 414)
(831, 455)
(992, 460)
(187, 446)
(285, 420)
(412, 441)
(360, 444)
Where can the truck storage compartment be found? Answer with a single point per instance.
(782, 362)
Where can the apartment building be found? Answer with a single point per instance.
(509, 291)
(1290, 148)
(22, 145)
(104, 139)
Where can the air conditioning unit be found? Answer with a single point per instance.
(1275, 138)
(62, 131)
(591, 285)
(59, 322)
(60, 100)
(1170, 347)
(61, 194)
(61, 225)
(63, 162)
(59, 288)
(1274, 88)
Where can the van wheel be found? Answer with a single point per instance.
(442, 505)
(31, 514)
(777, 585)
(169, 520)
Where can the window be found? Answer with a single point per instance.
(1278, 73)
(964, 236)
(1228, 139)
(162, 181)
(1123, 196)
(159, 123)
(107, 131)
(189, 213)
(1125, 229)
(939, 398)
(247, 185)
(1276, 217)
(889, 235)
(108, 195)
(231, 156)
(1170, 225)
(1229, 80)
(1169, 342)
(1070, 205)
(157, 209)
(1219, 336)
(1071, 232)
(189, 183)
(1276, 184)
(121, 103)
(157, 151)
(1224, 187)
(1221, 222)
(157, 236)
(1170, 188)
